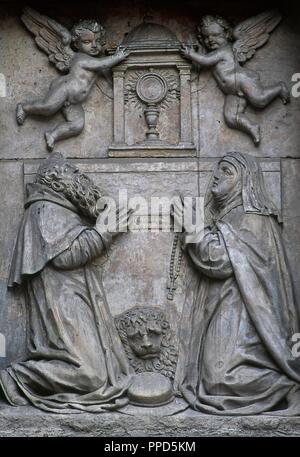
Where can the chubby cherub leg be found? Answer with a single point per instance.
(234, 109)
(75, 119)
(48, 106)
(259, 95)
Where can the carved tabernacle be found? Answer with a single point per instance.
(156, 80)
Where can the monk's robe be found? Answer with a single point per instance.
(75, 358)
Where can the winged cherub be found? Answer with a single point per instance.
(228, 49)
(82, 65)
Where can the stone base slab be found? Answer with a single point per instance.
(29, 421)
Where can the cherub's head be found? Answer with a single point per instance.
(214, 31)
(88, 37)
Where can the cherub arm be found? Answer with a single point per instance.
(104, 63)
(205, 60)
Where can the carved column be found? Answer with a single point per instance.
(185, 105)
(119, 117)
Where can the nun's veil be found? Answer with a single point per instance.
(254, 196)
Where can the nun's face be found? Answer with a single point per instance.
(225, 181)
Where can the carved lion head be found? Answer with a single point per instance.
(148, 340)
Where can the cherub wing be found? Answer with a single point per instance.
(51, 37)
(254, 33)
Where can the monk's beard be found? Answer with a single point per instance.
(84, 194)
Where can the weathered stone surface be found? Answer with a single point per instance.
(12, 314)
(291, 217)
(136, 271)
(279, 122)
(28, 421)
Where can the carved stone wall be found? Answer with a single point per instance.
(117, 151)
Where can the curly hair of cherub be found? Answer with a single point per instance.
(87, 24)
(208, 20)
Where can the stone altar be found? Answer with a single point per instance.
(123, 147)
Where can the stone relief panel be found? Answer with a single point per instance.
(139, 255)
(207, 99)
(149, 252)
(70, 246)
(152, 126)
